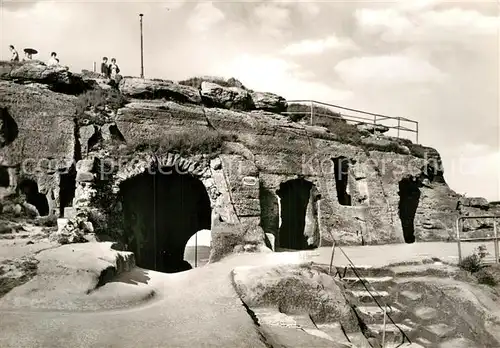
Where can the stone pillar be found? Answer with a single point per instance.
(84, 181)
(311, 222)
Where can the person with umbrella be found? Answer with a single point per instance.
(28, 53)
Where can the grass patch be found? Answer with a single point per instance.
(97, 101)
(197, 81)
(303, 111)
(185, 143)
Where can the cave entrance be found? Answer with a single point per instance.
(409, 196)
(30, 189)
(341, 171)
(161, 211)
(294, 197)
(4, 177)
(67, 187)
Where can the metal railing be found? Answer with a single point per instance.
(382, 306)
(477, 239)
(359, 116)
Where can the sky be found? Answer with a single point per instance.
(436, 62)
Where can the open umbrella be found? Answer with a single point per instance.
(30, 52)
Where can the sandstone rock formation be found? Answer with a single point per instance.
(57, 78)
(226, 97)
(243, 163)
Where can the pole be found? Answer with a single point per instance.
(94, 66)
(458, 241)
(196, 250)
(142, 48)
(331, 259)
(383, 332)
(312, 112)
(495, 231)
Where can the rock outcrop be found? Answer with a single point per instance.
(268, 102)
(58, 78)
(249, 166)
(158, 89)
(226, 97)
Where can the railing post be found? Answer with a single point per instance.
(383, 331)
(495, 233)
(399, 125)
(417, 132)
(458, 241)
(331, 258)
(312, 112)
(196, 250)
(374, 119)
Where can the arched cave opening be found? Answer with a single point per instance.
(409, 196)
(161, 211)
(341, 171)
(30, 189)
(4, 177)
(8, 128)
(67, 187)
(294, 198)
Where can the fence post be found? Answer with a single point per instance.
(399, 125)
(495, 233)
(312, 112)
(331, 258)
(458, 241)
(383, 332)
(417, 132)
(374, 119)
(196, 250)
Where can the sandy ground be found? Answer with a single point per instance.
(149, 309)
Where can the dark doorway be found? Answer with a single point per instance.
(30, 189)
(341, 171)
(4, 177)
(409, 196)
(8, 128)
(161, 213)
(294, 195)
(67, 187)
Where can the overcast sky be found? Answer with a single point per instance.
(432, 61)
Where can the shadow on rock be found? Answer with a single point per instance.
(134, 277)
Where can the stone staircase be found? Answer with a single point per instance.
(410, 308)
(367, 295)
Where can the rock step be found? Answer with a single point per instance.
(363, 271)
(374, 314)
(436, 333)
(365, 296)
(355, 281)
(392, 333)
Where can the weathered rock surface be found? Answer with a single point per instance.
(158, 89)
(297, 289)
(58, 78)
(241, 157)
(268, 102)
(226, 97)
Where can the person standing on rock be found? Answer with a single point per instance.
(53, 60)
(114, 69)
(15, 55)
(105, 67)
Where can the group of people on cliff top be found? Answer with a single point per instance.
(28, 55)
(110, 70)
